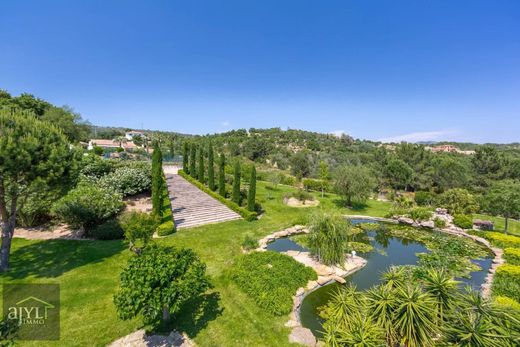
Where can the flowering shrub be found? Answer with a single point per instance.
(128, 180)
(88, 205)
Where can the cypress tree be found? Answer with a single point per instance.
(236, 184)
(251, 194)
(211, 169)
(193, 157)
(185, 157)
(157, 181)
(222, 175)
(201, 166)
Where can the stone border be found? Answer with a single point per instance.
(326, 275)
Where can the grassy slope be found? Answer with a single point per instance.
(513, 227)
(88, 273)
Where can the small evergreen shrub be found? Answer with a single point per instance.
(271, 279)
(424, 198)
(166, 228)
(110, 230)
(302, 195)
(503, 240)
(128, 181)
(439, 223)
(512, 255)
(507, 282)
(316, 185)
(88, 205)
(463, 221)
(420, 214)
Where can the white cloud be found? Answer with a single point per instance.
(338, 133)
(420, 136)
(225, 123)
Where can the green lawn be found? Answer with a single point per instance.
(513, 227)
(88, 273)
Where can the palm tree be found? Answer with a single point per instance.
(443, 288)
(414, 317)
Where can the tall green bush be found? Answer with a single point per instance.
(211, 169)
(193, 158)
(328, 237)
(251, 194)
(222, 175)
(157, 181)
(236, 198)
(185, 157)
(200, 174)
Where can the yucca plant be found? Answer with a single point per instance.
(394, 277)
(443, 288)
(381, 302)
(363, 332)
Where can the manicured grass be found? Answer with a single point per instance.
(513, 227)
(88, 272)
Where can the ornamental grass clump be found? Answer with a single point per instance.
(328, 237)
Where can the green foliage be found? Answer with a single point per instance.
(354, 183)
(302, 195)
(110, 230)
(211, 168)
(34, 157)
(185, 157)
(201, 169)
(271, 279)
(88, 205)
(439, 223)
(138, 228)
(193, 158)
(420, 214)
(236, 197)
(247, 215)
(8, 331)
(166, 228)
(300, 166)
(459, 201)
(158, 181)
(463, 221)
(399, 173)
(503, 199)
(249, 242)
(94, 166)
(328, 237)
(423, 198)
(251, 193)
(316, 185)
(512, 255)
(502, 240)
(159, 282)
(128, 180)
(222, 175)
(507, 282)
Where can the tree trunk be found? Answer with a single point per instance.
(506, 225)
(322, 192)
(166, 314)
(5, 249)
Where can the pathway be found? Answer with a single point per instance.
(191, 206)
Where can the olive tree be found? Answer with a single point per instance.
(503, 199)
(34, 156)
(156, 283)
(354, 183)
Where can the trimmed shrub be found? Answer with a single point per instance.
(88, 205)
(222, 175)
(247, 215)
(439, 223)
(166, 228)
(507, 282)
(185, 156)
(316, 185)
(512, 255)
(463, 221)
(251, 193)
(110, 230)
(128, 180)
(287, 180)
(138, 228)
(507, 303)
(95, 166)
(503, 240)
(271, 279)
(211, 168)
(200, 175)
(193, 158)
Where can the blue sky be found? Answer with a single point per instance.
(394, 70)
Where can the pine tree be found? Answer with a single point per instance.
(251, 194)
(193, 157)
(185, 157)
(201, 166)
(211, 169)
(222, 175)
(236, 184)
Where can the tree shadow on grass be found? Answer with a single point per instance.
(356, 206)
(195, 315)
(52, 258)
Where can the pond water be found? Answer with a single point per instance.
(387, 251)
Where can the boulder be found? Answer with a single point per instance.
(405, 220)
(339, 279)
(428, 224)
(302, 336)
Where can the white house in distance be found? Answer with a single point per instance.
(127, 145)
(130, 134)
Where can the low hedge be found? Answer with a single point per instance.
(503, 240)
(512, 255)
(507, 282)
(167, 224)
(271, 279)
(247, 215)
(506, 302)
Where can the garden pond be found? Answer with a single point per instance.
(387, 251)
